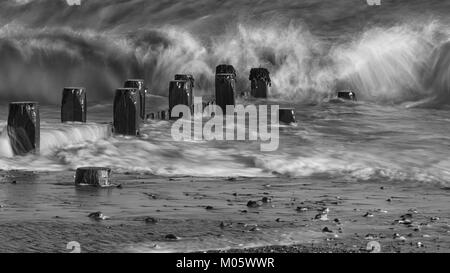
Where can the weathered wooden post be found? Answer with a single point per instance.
(260, 82)
(286, 115)
(347, 95)
(225, 86)
(127, 111)
(180, 92)
(73, 104)
(139, 85)
(24, 127)
(93, 176)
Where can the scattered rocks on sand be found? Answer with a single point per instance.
(171, 237)
(98, 216)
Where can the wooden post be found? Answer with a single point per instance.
(127, 111)
(180, 92)
(260, 82)
(225, 86)
(347, 95)
(24, 127)
(163, 115)
(93, 176)
(73, 104)
(138, 84)
(286, 115)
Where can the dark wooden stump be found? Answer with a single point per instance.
(225, 86)
(286, 115)
(24, 127)
(180, 92)
(127, 111)
(93, 176)
(73, 104)
(346, 95)
(260, 82)
(139, 85)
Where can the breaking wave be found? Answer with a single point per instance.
(42, 52)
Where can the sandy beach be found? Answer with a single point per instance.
(209, 214)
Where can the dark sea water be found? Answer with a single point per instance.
(395, 56)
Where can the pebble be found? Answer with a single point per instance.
(434, 219)
(150, 220)
(322, 217)
(368, 214)
(301, 209)
(252, 204)
(98, 216)
(209, 208)
(266, 199)
(326, 229)
(171, 237)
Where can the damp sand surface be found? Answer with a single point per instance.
(43, 211)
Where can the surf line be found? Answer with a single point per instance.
(220, 127)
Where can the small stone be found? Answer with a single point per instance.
(231, 178)
(389, 200)
(368, 214)
(209, 208)
(252, 204)
(327, 230)
(234, 194)
(381, 188)
(278, 220)
(322, 217)
(119, 186)
(434, 219)
(419, 244)
(150, 220)
(301, 209)
(171, 237)
(266, 199)
(98, 216)
(14, 182)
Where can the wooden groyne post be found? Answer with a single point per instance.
(24, 127)
(286, 115)
(127, 102)
(139, 85)
(260, 82)
(225, 86)
(181, 92)
(93, 176)
(347, 95)
(73, 104)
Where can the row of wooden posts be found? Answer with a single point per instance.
(129, 105)
(129, 111)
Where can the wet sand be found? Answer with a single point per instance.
(42, 212)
